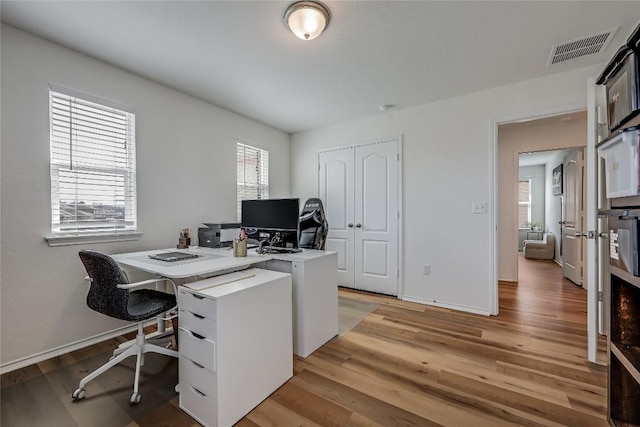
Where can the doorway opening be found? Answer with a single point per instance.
(547, 141)
(551, 209)
(528, 154)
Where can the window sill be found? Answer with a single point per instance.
(91, 238)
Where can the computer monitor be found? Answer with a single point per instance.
(265, 218)
(271, 214)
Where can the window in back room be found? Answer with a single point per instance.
(524, 203)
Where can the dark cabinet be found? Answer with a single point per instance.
(624, 349)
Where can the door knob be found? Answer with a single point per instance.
(350, 225)
(603, 235)
(358, 225)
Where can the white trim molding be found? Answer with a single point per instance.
(58, 351)
(465, 308)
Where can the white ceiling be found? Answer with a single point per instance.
(240, 56)
(537, 158)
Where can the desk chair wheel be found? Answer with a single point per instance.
(135, 399)
(78, 394)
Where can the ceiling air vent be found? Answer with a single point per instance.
(581, 47)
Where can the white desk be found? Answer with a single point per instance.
(315, 283)
(315, 297)
(212, 262)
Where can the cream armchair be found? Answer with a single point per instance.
(540, 249)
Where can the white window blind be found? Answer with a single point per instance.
(524, 204)
(252, 174)
(93, 173)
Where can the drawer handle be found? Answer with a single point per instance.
(198, 316)
(200, 337)
(198, 391)
(193, 334)
(197, 296)
(197, 364)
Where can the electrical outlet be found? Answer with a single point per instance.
(426, 269)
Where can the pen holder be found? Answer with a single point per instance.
(183, 243)
(240, 248)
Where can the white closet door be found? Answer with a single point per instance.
(336, 190)
(376, 217)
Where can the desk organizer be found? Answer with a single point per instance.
(239, 248)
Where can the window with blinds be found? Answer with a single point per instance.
(93, 165)
(524, 204)
(252, 174)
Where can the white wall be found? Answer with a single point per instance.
(186, 174)
(448, 155)
(553, 203)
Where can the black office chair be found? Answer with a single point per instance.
(109, 294)
(313, 225)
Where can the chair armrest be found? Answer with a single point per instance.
(148, 282)
(535, 244)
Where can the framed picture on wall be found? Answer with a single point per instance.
(556, 180)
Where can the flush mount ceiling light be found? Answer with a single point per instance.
(306, 19)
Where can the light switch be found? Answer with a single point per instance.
(479, 207)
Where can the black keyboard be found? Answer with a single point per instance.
(283, 250)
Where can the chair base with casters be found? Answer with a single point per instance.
(112, 294)
(138, 349)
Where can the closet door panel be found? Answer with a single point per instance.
(335, 187)
(376, 211)
(359, 187)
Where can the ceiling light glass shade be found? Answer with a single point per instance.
(306, 19)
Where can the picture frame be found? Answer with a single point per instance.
(556, 180)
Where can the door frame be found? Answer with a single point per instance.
(400, 193)
(589, 164)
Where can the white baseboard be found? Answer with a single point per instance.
(58, 351)
(458, 307)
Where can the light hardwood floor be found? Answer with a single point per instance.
(405, 364)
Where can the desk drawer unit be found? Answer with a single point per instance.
(196, 303)
(199, 388)
(199, 377)
(197, 324)
(198, 348)
(236, 345)
(199, 405)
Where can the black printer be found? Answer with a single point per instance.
(218, 234)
